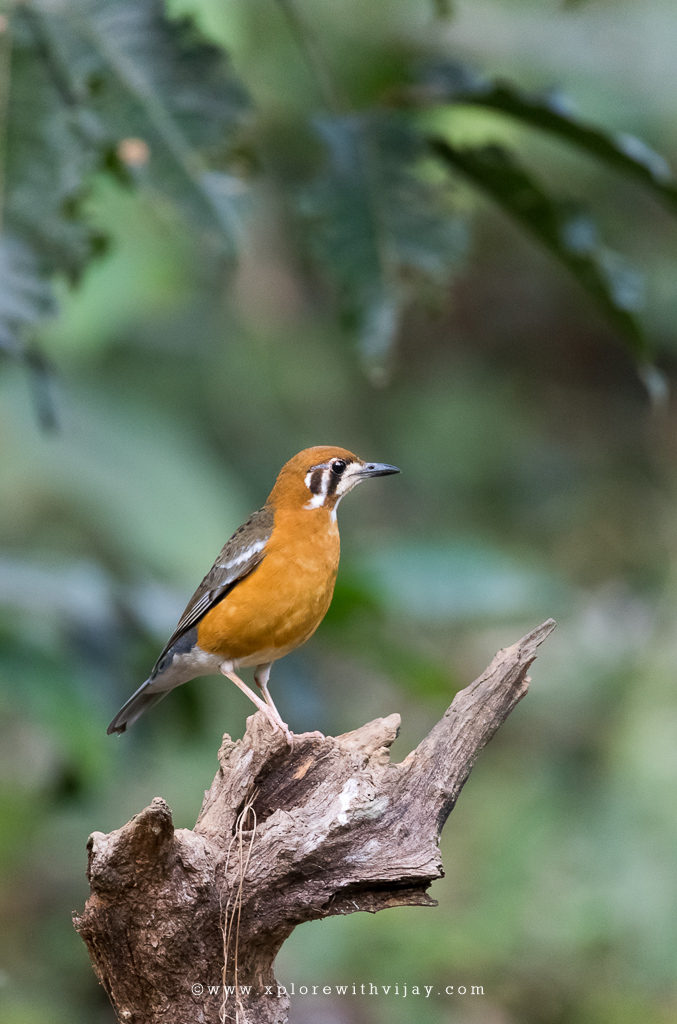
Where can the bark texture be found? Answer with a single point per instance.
(330, 827)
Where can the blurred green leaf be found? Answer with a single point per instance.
(112, 86)
(53, 144)
(169, 100)
(25, 298)
(550, 112)
(378, 224)
(435, 582)
(48, 155)
(566, 230)
(25, 295)
(104, 474)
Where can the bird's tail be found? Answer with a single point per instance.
(141, 701)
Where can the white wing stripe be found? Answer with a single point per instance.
(243, 556)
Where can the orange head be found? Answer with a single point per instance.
(319, 477)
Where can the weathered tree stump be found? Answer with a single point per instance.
(283, 837)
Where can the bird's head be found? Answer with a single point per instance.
(319, 477)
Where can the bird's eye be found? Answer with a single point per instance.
(337, 466)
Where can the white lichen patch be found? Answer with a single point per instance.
(374, 809)
(345, 799)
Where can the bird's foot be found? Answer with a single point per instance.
(276, 721)
(267, 706)
(289, 735)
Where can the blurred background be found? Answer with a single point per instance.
(538, 479)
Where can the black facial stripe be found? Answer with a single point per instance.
(316, 481)
(333, 483)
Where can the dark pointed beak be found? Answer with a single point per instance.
(377, 469)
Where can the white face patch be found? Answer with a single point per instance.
(323, 482)
(317, 482)
(317, 501)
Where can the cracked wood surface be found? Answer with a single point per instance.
(330, 827)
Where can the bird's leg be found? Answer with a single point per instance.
(229, 674)
(261, 677)
(271, 713)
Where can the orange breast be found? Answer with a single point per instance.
(282, 602)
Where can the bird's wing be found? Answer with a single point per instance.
(237, 558)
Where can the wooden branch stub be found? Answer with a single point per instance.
(283, 837)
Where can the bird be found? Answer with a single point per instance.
(268, 589)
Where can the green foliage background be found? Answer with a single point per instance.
(381, 225)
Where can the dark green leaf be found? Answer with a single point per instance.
(377, 223)
(162, 98)
(25, 296)
(112, 86)
(552, 112)
(51, 151)
(567, 231)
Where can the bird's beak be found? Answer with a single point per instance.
(376, 469)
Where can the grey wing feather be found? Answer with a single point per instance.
(237, 558)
